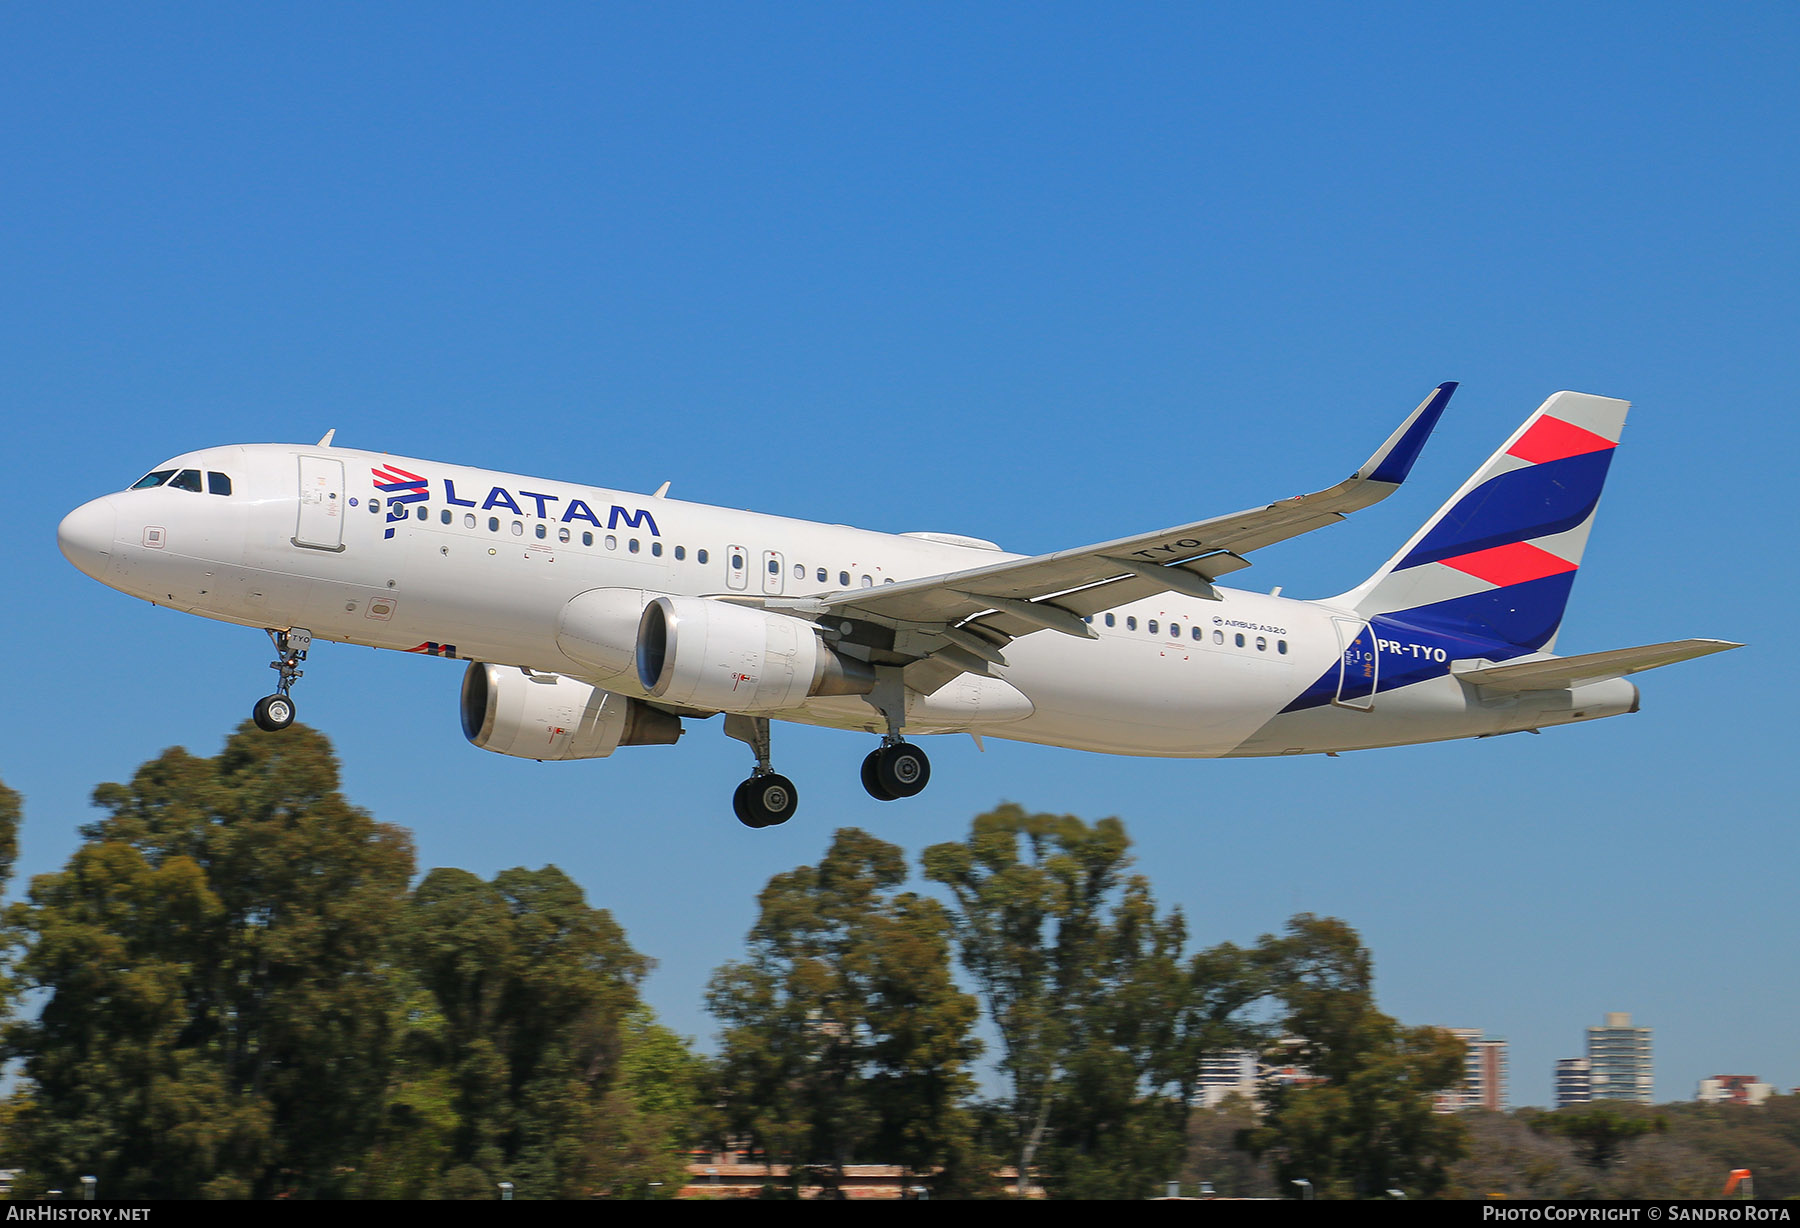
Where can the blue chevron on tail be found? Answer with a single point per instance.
(1495, 565)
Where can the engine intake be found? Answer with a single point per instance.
(548, 716)
(700, 653)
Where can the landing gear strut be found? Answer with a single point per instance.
(894, 770)
(274, 712)
(767, 799)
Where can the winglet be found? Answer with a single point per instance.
(1394, 460)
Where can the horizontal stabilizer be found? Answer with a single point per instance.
(1559, 673)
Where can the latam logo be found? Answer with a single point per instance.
(401, 488)
(404, 489)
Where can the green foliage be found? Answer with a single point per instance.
(529, 990)
(213, 1017)
(1764, 1138)
(1600, 1133)
(845, 1037)
(1101, 1023)
(240, 997)
(1365, 1123)
(10, 815)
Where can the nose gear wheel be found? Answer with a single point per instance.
(276, 712)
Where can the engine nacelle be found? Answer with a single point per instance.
(547, 716)
(700, 653)
(599, 630)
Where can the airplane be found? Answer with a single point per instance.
(594, 619)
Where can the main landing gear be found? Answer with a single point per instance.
(767, 799)
(273, 712)
(894, 770)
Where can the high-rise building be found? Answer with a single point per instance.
(1222, 1075)
(1619, 1060)
(1247, 1072)
(1484, 1075)
(1573, 1085)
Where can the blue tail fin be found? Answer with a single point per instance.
(1496, 564)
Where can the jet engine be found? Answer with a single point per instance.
(598, 630)
(547, 716)
(696, 652)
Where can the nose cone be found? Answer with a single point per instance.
(86, 536)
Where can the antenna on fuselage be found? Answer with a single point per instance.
(326, 442)
(661, 491)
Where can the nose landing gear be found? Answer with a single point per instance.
(275, 712)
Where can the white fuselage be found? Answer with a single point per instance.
(483, 565)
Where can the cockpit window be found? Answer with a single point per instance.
(187, 479)
(153, 479)
(218, 483)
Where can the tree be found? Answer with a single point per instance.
(10, 815)
(530, 991)
(844, 1035)
(1600, 1134)
(1101, 1024)
(1360, 1121)
(214, 1016)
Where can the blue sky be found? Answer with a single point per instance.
(1047, 275)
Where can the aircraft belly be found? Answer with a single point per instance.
(969, 703)
(1127, 696)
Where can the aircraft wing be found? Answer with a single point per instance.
(974, 613)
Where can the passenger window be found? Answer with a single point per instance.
(1281, 647)
(680, 553)
(587, 538)
(1151, 626)
(612, 543)
(867, 582)
(493, 524)
(700, 556)
(1109, 620)
(562, 534)
(374, 505)
(468, 520)
(542, 532)
(518, 528)
(1174, 631)
(1131, 622)
(889, 580)
(824, 577)
(218, 484)
(843, 579)
(1218, 637)
(1196, 632)
(632, 545)
(656, 549)
(1262, 645)
(1240, 639)
(444, 516)
(424, 513)
(737, 562)
(774, 567)
(187, 479)
(799, 571)
(153, 479)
